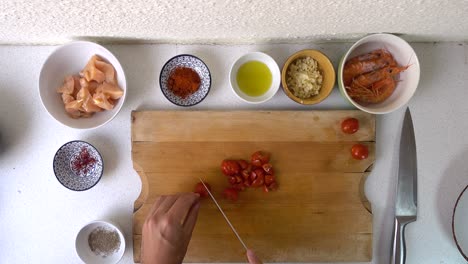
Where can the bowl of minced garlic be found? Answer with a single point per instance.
(308, 77)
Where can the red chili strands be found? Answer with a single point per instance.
(83, 162)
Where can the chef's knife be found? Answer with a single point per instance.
(406, 197)
(224, 215)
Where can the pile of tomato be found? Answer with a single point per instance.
(241, 174)
(257, 173)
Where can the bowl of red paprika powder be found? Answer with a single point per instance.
(185, 80)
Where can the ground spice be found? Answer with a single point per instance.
(83, 162)
(104, 241)
(183, 82)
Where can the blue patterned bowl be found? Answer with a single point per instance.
(78, 165)
(188, 61)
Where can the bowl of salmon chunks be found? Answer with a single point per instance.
(82, 85)
(379, 73)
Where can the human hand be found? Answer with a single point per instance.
(168, 228)
(253, 259)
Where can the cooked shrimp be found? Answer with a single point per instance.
(365, 80)
(366, 63)
(378, 92)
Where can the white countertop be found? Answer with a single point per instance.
(39, 218)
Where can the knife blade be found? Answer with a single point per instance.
(224, 215)
(407, 189)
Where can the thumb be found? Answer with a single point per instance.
(253, 259)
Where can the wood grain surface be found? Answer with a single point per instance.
(319, 212)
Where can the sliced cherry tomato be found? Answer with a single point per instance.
(350, 125)
(253, 175)
(359, 152)
(230, 167)
(259, 181)
(261, 156)
(265, 188)
(239, 179)
(268, 168)
(232, 180)
(245, 174)
(273, 186)
(201, 190)
(257, 163)
(269, 179)
(243, 164)
(231, 194)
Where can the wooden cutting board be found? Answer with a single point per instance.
(319, 212)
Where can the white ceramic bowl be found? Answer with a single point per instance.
(403, 54)
(274, 69)
(70, 59)
(84, 251)
(459, 221)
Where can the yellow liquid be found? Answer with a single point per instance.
(254, 78)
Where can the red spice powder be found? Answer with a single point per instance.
(183, 82)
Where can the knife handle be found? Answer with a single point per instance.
(398, 246)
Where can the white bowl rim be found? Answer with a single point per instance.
(345, 57)
(103, 223)
(124, 85)
(464, 254)
(275, 72)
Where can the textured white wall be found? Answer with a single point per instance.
(243, 21)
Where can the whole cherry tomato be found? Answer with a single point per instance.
(350, 125)
(359, 152)
(231, 194)
(201, 190)
(230, 167)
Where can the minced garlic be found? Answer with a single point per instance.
(304, 78)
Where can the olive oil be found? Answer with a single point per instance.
(254, 78)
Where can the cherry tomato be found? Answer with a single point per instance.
(201, 190)
(232, 180)
(231, 194)
(245, 174)
(350, 125)
(269, 179)
(273, 186)
(268, 168)
(230, 167)
(253, 175)
(243, 164)
(239, 179)
(265, 188)
(359, 152)
(259, 181)
(260, 156)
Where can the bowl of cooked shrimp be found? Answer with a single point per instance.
(379, 73)
(82, 85)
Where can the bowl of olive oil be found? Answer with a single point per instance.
(255, 77)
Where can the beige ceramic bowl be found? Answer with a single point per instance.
(326, 68)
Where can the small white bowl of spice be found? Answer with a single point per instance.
(100, 242)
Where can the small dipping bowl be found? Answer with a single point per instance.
(186, 61)
(275, 74)
(83, 249)
(78, 165)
